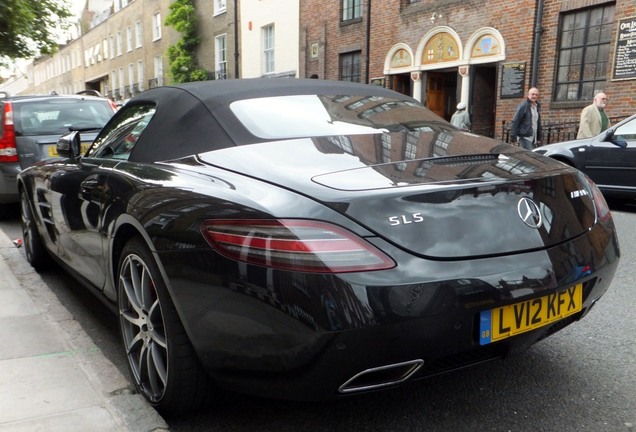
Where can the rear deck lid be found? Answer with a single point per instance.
(459, 217)
(447, 195)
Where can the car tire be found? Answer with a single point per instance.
(160, 357)
(34, 248)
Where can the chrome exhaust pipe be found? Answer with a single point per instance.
(382, 376)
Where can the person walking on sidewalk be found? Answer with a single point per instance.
(461, 118)
(526, 123)
(594, 120)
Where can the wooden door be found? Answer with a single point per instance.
(435, 93)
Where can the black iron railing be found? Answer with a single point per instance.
(554, 131)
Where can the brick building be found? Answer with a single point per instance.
(122, 54)
(119, 47)
(487, 54)
(217, 25)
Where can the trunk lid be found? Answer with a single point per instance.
(466, 197)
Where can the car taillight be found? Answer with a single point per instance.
(299, 245)
(8, 151)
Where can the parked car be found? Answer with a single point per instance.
(308, 239)
(31, 125)
(608, 158)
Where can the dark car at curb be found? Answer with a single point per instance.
(309, 239)
(609, 158)
(30, 126)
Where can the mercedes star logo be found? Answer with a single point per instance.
(529, 212)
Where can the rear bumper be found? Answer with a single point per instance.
(311, 337)
(8, 182)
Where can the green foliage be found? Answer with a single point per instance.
(184, 66)
(27, 27)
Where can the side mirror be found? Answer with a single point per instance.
(69, 145)
(609, 137)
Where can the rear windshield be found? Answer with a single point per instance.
(55, 116)
(319, 115)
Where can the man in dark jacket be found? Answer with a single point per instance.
(526, 124)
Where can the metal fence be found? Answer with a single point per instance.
(554, 131)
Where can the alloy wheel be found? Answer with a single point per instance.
(143, 328)
(27, 228)
(33, 247)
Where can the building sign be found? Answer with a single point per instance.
(513, 80)
(625, 52)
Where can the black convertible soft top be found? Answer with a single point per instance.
(193, 118)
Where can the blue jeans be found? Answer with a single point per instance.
(526, 142)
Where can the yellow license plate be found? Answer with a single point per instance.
(504, 322)
(83, 148)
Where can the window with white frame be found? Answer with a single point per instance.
(140, 75)
(269, 64)
(129, 39)
(97, 52)
(120, 44)
(105, 48)
(131, 78)
(111, 46)
(113, 80)
(220, 56)
(138, 34)
(122, 82)
(120, 4)
(158, 78)
(220, 6)
(156, 26)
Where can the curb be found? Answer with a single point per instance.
(113, 391)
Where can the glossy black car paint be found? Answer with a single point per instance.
(608, 158)
(447, 216)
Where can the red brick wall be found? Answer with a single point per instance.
(320, 23)
(392, 22)
(622, 94)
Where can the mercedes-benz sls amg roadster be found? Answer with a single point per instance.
(310, 239)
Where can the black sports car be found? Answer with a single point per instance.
(306, 239)
(608, 158)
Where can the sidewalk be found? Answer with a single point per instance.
(52, 376)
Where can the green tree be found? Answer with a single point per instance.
(184, 66)
(28, 27)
